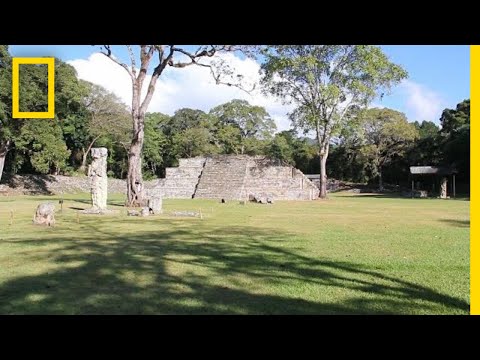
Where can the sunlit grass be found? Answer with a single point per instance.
(348, 254)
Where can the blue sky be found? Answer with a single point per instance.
(443, 70)
(439, 77)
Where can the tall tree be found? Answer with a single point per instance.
(252, 122)
(455, 138)
(107, 115)
(184, 119)
(194, 142)
(279, 148)
(5, 105)
(388, 134)
(453, 119)
(33, 97)
(42, 141)
(324, 82)
(168, 56)
(426, 129)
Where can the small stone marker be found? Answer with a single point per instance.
(155, 204)
(45, 214)
(145, 211)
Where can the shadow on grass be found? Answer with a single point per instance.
(109, 202)
(178, 270)
(457, 223)
(374, 195)
(399, 196)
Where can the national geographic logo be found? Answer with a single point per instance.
(50, 113)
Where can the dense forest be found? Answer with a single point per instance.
(377, 146)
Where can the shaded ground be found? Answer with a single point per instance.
(340, 256)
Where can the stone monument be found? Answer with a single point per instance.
(443, 188)
(45, 214)
(97, 173)
(155, 204)
(154, 198)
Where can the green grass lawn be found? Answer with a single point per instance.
(350, 254)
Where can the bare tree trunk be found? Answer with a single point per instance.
(2, 163)
(83, 167)
(135, 194)
(323, 176)
(380, 179)
(323, 143)
(3, 154)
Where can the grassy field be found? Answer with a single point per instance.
(350, 254)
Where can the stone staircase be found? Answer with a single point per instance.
(223, 177)
(180, 182)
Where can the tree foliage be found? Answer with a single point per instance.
(251, 122)
(324, 82)
(42, 143)
(387, 135)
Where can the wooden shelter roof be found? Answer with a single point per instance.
(432, 170)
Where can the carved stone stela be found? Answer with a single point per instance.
(97, 172)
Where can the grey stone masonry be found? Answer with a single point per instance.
(269, 178)
(180, 182)
(223, 178)
(58, 184)
(235, 177)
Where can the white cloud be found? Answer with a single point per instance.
(422, 103)
(191, 87)
(194, 87)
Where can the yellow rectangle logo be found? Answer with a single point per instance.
(50, 113)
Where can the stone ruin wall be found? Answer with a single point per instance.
(235, 177)
(229, 177)
(278, 181)
(58, 184)
(180, 182)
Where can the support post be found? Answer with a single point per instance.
(412, 188)
(454, 186)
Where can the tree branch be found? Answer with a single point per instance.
(93, 142)
(109, 54)
(146, 57)
(156, 74)
(132, 60)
